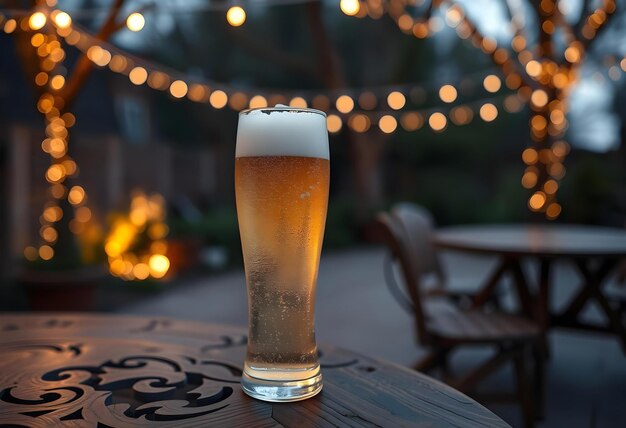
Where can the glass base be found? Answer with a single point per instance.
(281, 391)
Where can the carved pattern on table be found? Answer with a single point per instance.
(111, 371)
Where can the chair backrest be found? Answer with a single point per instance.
(418, 225)
(397, 241)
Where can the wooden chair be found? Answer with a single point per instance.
(419, 224)
(443, 328)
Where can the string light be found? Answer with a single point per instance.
(350, 7)
(138, 75)
(447, 93)
(298, 102)
(396, 100)
(333, 123)
(10, 26)
(387, 124)
(367, 100)
(544, 83)
(156, 79)
(218, 99)
(57, 82)
(236, 16)
(359, 123)
(61, 19)
(546, 72)
(344, 104)
(178, 89)
(437, 121)
(488, 112)
(135, 22)
(411, 121)
(51, 104)
(36, 21)
(492, 83)
(258, 101)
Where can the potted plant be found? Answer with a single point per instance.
(64, 276)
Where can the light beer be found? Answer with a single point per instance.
(281, 183)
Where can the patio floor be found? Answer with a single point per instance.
(586, 373)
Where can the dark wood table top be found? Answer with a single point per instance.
(117, 371)
(554, 240)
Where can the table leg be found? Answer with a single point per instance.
(521, 286)
(543, 299)
(592, 289)
(543, 303)
(487, 290)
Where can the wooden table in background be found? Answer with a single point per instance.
(116, 371)
(595, 251)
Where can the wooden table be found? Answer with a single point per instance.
(117, 371)
(594, 251)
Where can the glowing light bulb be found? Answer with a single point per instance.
(387, 124)
(333, 123)
(350, 7)
(492, 83)
(258, 101)
(37, 20)
(488, 112)
(178, 89)
(298, 102)
(218, 99)
(396, 100)
(62, 20)
(138, 75)
(344, 104)
(236, 16)
(135, 21)
(159, 265)
(447, 93)
(437, 121)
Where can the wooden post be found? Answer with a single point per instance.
(19, 189)
(115, 171)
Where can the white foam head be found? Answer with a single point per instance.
(282, 131)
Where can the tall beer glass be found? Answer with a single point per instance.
(281, 185)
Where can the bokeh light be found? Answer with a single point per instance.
(350, 7)
(236, 16)
(333, 123)
(178, 89)
(62, 20)
(298, 102)
(447, 93)
(218, 99)
(492, 83)
(135, 22)
(387, 124)
(36, 21)
(138, 75)
(344, 104)
(396, 100)
(488, 112)
(258, 101)
(437, 121)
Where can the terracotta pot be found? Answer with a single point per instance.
(66, 290)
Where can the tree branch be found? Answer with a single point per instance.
(474, 30)
(328, 67)
(84, 66)
(609, 13)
